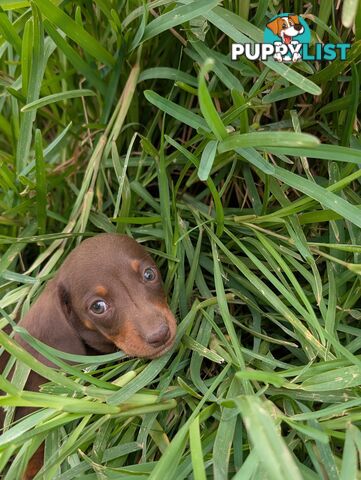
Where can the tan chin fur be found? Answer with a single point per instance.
(141, 349)
(163, 350)
(131, 343)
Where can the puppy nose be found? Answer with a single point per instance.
(159, 336)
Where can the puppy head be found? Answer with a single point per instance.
(286, 26)
(111, 292)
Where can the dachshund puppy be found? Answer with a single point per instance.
(107, 295)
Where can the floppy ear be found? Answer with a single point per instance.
(48, 321)
(64, 299)
(295, 19)
(70, 317)
(273, 26)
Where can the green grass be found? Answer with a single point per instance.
(243, 181)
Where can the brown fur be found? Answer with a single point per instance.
(138, 321)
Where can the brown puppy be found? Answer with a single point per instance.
(107, 294)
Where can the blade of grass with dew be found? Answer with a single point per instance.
(196, 450)
(224, 307)
(254, 158)
(40, 183)
(352, 110)
(210, 183)
(74, 31)
(263, 139)
(208, 110)
(56, 97)
(9, 32)
(36, 69)
(74, 58)
(325, 152)
(270, 447)
(207, 159)
(180, 113)
(169, 74)
(221, 70)
(177, 16)
(326, 198)
(225, 434)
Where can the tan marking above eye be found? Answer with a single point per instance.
(88, 324)
(135, 264)
(101, 291)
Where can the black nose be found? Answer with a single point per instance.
(298, 27)
(159, 336)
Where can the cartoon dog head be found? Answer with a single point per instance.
(286, 27)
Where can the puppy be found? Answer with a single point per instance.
(107, 295)
(287, 28)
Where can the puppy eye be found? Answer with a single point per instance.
(149, 274)
(99, 307)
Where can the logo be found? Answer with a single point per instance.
(287, 38)
(287, 33)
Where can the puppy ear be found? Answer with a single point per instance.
(49, 321)
(66, 306)
(64, 299)
(295, 19)
(273, 26)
